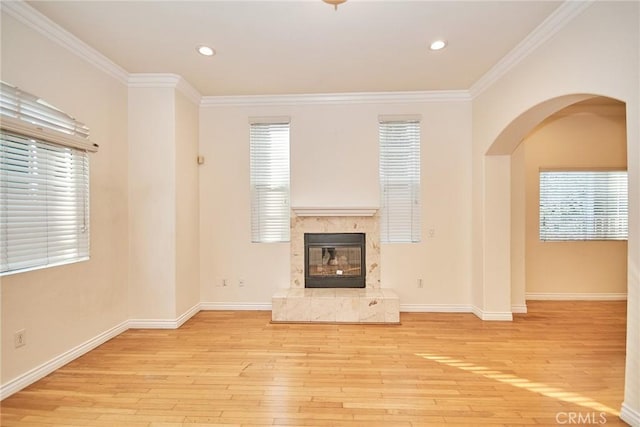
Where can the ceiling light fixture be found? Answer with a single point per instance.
(334, 3)
(205, 50)
(438, 44)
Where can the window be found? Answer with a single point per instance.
(269, 152)
(400, 179)
(583, 205)
(44, 184)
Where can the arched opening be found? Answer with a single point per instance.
(542, 122)
(586, 139)
(591, 118)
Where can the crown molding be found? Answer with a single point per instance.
(29, 16)
(566, 12)
(164, 80)
(52, 31)
(191, 93)
(337, 98)
(153, 80)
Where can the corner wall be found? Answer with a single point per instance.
(163, 213)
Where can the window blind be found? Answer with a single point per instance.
(400, 180)
(583, 205)
(26, 114)
(269, 165)
(44, 216)
(44, 184)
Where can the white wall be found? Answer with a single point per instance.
(65, 306)
(334, 162)
(598, 53)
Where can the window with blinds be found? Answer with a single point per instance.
(44, 184)
(400, 180)
(583, 205)
(269, 157)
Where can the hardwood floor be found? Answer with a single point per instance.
(561, 364)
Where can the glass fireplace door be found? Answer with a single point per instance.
(334, 260)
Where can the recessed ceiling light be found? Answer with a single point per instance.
(438, 44)
(205, 50)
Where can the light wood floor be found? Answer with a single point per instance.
(562, 360)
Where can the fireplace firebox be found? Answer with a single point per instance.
(334, 260)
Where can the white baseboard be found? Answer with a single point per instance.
(164, 323)
(435, 308)
(630, 416)
(576, 296)
(246, 306)
(503, 316)
(57, 362)
(188, 315)
(46, 368)
(519, 308)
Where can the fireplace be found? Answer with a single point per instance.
(334, 260)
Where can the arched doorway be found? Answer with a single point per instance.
(497, 187)
(507, 143)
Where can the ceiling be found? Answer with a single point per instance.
(304, 46)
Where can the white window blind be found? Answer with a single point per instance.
(269, 152)
(26, 114)
(44, 184)
(583, 205)
(44, 218)
(400, 180)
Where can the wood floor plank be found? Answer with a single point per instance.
(225, 368)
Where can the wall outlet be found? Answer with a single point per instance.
(224, 282)
(241, 283)
(20, 338)
(420, 283)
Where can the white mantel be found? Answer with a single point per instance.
(334, 211)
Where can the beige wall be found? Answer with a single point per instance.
(575, 138)
(598, 52)
(518, 235)
(163, 212)
(466, 195)
(63, 307)
(152, 195)
(349, 134)
(187, 205)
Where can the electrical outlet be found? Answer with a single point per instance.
(20, 338)
(241, 283)
(224, 282)
(420, 283)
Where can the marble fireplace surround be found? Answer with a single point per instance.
(371, 304)
(319, 220)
